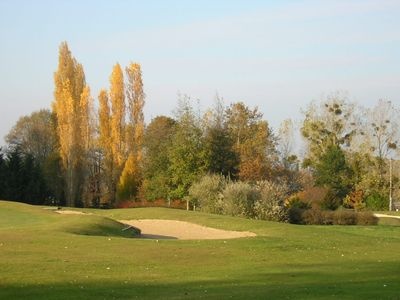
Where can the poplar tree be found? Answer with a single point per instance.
(105, 142)
(132, 176)
(71, 107)
(117, 126)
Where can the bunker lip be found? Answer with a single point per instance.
(172, 229)
(70, 212)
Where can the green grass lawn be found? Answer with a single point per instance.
(44, 255)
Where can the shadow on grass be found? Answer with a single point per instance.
(156, 237)
(374, 284)
(98, 226)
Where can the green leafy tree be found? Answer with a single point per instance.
(333, 172)
(219, 144)
(332, 123)
(187, 153)
(157, 140)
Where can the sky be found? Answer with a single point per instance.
(277, 55)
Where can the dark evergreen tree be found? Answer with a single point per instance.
(14, 176)
(222, 158)
(33, 186)
(333, 172)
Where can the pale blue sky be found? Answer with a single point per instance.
(278, 55)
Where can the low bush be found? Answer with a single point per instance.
(297, 203)
(156, 203)
(344, 217)
(328, 217)
(312, 196)
(270, 204)
(207, 193)
(239, 198)
(366, 218)
(313, 217)
(295, 215)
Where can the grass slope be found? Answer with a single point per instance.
(44, 255)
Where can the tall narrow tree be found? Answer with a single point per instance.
(69, 95)
(117, 126)
(132, 176)
(105, 144)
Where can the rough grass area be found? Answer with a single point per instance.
(44, 255)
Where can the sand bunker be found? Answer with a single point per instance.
(171, 229)
(386, 216)
(70, 212)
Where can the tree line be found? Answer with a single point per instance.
(77, 155)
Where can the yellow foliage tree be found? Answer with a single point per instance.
(117, 97)
(135, 97)
(72, 109)
(105, 143)
(85, 120)
(131, 176)
(117, 126)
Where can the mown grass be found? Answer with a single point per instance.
(44, 255)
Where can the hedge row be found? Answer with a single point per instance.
(327, 217)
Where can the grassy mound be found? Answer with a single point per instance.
(44, 255)
(21, 216)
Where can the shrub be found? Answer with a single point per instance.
(312, 196)
(366, 218)
(313, 217)
(207, 193)
(238, 199)
(331, 201)
(377, 201)
(344, 217)
(154, 203)
(270, 204)
(295, 215)
(316, 216)
(328, 217)
(296, 202)
(355, 200)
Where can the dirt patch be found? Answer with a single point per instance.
(171, 229)
(70, 212)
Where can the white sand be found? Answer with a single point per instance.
(171, 229)
(386, 216)
(70, 212)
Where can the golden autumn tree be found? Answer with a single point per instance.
(105, 143)
(117, 126)
(71, 107)
(132, 173)
(88, 149)
(253, 142)
(84, 118)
